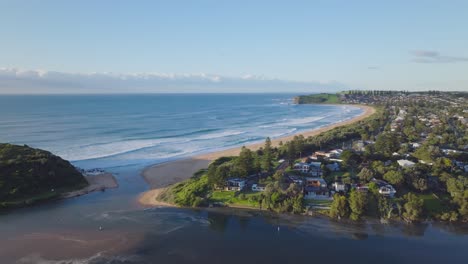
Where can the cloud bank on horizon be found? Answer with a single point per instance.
(430, 56)
(17, 81)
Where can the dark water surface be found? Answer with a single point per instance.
(67, 231)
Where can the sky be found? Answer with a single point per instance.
(87, 46)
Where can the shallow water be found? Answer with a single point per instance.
(67, 231)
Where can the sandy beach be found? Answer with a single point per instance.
(96, 183)
(161, 176)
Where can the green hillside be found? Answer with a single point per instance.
(28, 175)
(323, 98)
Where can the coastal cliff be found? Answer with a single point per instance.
(29, 175)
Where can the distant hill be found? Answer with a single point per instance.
(29, 175)
(323, 98)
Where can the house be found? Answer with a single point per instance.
(339, 187)
(387, 190)
(234, 184)
(296, 179)
(313, 168)
(315, 182)
(316, 171)
(258, 187)
(316, 188)
(302, 167)
(316, 164)
(333, 167)
(405, 163)
(336, 152)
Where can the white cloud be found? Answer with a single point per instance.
(40, 81)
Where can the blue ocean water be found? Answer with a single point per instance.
(119, 130)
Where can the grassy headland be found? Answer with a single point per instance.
(322, 98)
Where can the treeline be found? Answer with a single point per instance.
(246, 164)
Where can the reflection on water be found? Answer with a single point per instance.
(68, 232)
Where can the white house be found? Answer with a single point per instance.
(339, 186)
(405, 163)
(234, 184)
(258, 187)
(387, 190)
(302, 167)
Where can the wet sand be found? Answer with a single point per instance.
(98, 182)
(163, 175)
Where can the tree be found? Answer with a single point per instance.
(267, 159)
(357, 204)
(394, 177)
(245, 162)
(366, 175)
(413, 207)
(387, 143)
(385, 207)
(350, 159)
(339, 207)
(291, 153)
(298, 204)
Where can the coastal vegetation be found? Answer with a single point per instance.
(29, 175)
(407, 161)
(322, 98)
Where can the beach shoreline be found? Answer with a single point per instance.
(99, 182)
(162, 175)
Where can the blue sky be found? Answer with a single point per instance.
(411, 45)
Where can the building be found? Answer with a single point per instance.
(316, 188)
(302, 167)
(387, 190)
(234, 184)
(339, 187)
(258, 187)
(333, 167)
(405, 163)
(296, 179)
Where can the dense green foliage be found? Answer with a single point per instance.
(323, 98)
(28, 174)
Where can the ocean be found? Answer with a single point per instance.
(120, 130)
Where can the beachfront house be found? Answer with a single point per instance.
(387, 190)
(316, 188)
(258, 187)
(234, 184)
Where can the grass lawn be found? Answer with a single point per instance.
(433, 204)
(318, 204)
(230, 198)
